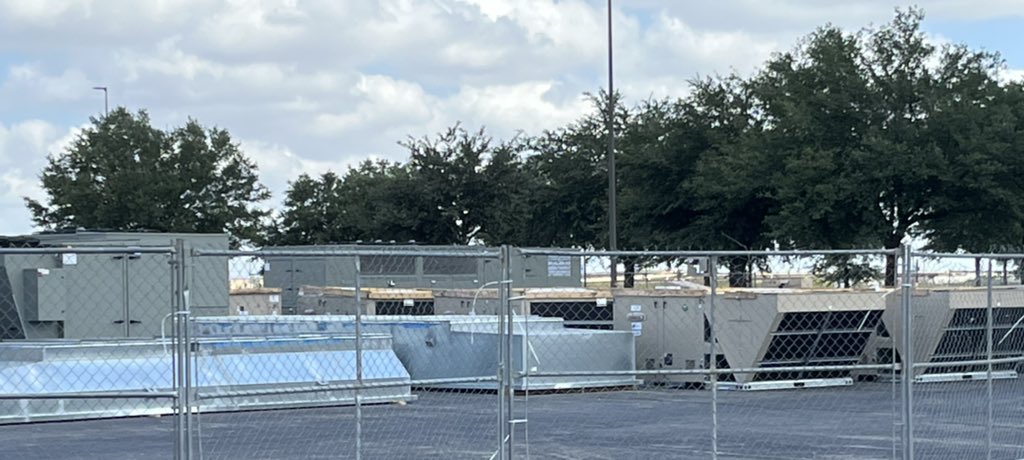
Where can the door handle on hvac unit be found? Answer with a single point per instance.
(118, 321)
(133, 321)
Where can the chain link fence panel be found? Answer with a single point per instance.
(360, 335)
(809, 329)
(87, 333)
(968, 345)
(814, 372)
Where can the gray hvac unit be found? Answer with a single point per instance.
(668, 328)
(766, 328)
(72, 295)
(317, 300)
(408, 271)
(951, 325)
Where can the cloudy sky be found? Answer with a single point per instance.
(307, 86)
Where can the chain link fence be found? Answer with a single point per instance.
(87, 333)
(374, 352)
(468, 352)
(735, 355)
(968, 345)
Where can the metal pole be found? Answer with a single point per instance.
(124, 296)
(613, 237)
(179, 426)
(184, 360)
(988, 356)
(359, 361)
(106, 105)
(187, 334)
(907, 369)
(503, 301)
(713, 360)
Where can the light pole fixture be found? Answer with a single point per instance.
(612, 212)
(106, 107)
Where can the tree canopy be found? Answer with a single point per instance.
(849, 140)
(120, 173)
(862, 139)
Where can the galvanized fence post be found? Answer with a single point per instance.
(907, 368)
(177, 369)
(359, 359)
(183, 422)
(713, 358)
(988, 357)
(506, 389)
(502, 317)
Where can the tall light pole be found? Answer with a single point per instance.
(613, 237)
(106, 107)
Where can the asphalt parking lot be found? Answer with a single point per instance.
(858, 422)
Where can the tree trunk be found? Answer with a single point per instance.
(628, 273)
(738, 272)
(890, 270)
(977, 271)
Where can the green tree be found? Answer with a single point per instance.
(570, 204)
(977, 128)
(120, 173)
(880, 137)
(732, 187)
(660, 145)
(367, 203)
(509, 196)
(450, 191)
(456, 188)
(313, 213)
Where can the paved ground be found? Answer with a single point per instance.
(859, 422)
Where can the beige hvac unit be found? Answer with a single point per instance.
(318, 300)
(668, 329)
(255, 301)
(467, 302)
(766, 328)
(579, 308)
(950, 325)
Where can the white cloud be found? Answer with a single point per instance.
(254, 25)
(1012, 75)
(523, 106)
(383, 101)
(69, 85)
(711, 49)
(278, 164)
(24, 147)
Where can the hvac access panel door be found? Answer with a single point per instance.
(96, 297)
(290, 274)
(305, 272)
(682, 335)
(669, 334)
(149, 293)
